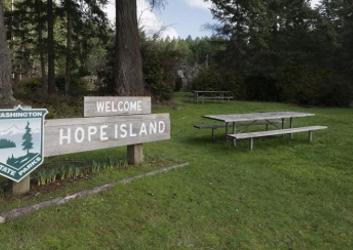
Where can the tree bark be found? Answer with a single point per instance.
(6, 95)
(128, 68)
(51, 52)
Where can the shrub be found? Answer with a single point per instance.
(208, 79)
(28, 87)
(260, 88)
(212, 79)
(313, 86)
(160, 62)
(78, 86)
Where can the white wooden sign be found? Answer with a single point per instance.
(104, 106)
(65, 136)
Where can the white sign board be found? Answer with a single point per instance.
(65, 136)
(116, 106)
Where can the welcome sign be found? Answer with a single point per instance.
(25, 138)
(21, 142)
(116, 106)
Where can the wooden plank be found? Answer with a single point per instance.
(210, 126)
(276, 132)
(65, 136)
(254, 123)
(211, 91)
(103, 106)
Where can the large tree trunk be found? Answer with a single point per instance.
(51, 55)
(6, 95)
(128, 69)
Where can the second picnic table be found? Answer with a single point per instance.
(212, 95)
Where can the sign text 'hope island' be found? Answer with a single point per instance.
(66, 136)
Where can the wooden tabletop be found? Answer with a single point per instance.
(210, 91)
(257, 116)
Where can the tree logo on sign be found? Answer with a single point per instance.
(21, 142)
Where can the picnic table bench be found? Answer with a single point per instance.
(244, 125)
(290, 131)
(202, 95)
(268, 118)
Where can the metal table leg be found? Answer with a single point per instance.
(226, 131)
(310, 136)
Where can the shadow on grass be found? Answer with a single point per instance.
(264, 144)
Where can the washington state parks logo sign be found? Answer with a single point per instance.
(21, 142)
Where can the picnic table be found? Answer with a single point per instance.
(211, 95)
(267, 117)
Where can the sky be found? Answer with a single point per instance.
(179, 18)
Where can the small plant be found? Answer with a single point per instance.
(50, 174)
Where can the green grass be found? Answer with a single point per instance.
(284, 195)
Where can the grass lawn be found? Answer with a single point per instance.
(287, 194)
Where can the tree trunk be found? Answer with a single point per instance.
(68, 48)
(42, 65)
(41, 46)
(51, 55)
(10, 23)
(128, 69)
(6, 95)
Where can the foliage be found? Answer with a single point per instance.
(28, 87)
(211, 78)
(287, 51)
(78, 86)
(313, 86)
(264, 50)
(208, 79)
(80, 32)
(160, 62)
(7, 144)
(75, 170)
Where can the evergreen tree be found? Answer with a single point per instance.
(287, 51)
(6, 95)
(27, 139)
(26, 20)
(84, 21)
(44, 34)
(51, 47)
